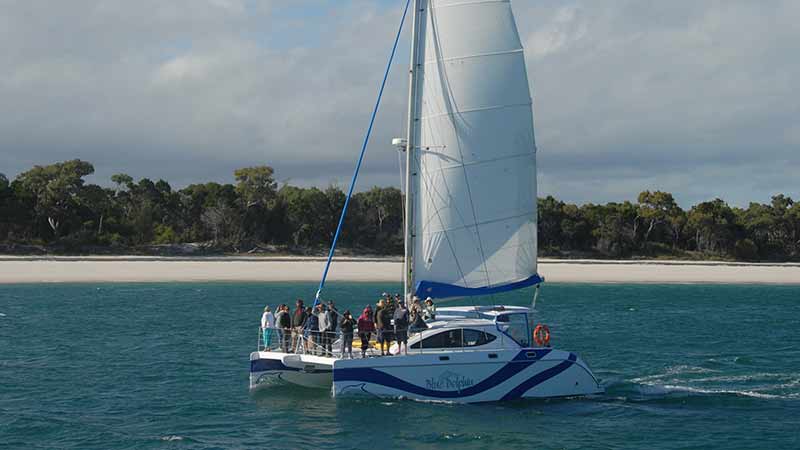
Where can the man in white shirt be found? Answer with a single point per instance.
(267, 325)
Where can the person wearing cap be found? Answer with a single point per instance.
(401, 326)
(267, 324)
(430, 310)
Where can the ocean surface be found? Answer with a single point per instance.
(165, 366)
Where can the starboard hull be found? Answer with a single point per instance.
(468, 377)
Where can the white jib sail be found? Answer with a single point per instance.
(474, 211)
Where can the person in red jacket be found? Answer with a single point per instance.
(365, 329)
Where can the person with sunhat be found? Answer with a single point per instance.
(430, 310)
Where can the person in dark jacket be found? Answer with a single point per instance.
(335, 314)
(330, 330)
(401, 326)
(381, 305)
(311, 332)
(385, 327)
(298, 321)
(365, 329)
(347, 325)
(285, 327)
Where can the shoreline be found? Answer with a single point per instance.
(394, 259)
(154, 269)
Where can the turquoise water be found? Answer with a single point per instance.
(113, 366)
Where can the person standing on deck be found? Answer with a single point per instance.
(278, 331)
(365, 328)
(388, 334)
(284, 321)
(331, 328)
(416, 317)
(401, 326)
(311, 331)
(298, 320)
(430, 310)
(347, 325)
(385, 329)
(379, 322)
(267, 325)
(335, 317)
(323, 317)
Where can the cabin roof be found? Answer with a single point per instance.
(493, 311)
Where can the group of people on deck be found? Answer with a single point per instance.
(315, 329)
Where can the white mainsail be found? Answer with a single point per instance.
(474, 190)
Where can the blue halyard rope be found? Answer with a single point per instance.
(361, 157)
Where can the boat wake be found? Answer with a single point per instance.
(685, 382)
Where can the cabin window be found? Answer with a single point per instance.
(515, 326)
(456, 339)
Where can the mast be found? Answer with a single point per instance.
(408, 232)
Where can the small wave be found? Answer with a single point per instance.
(171, 438)
(748, 377)
(2, 315)
(743, 393)
(673, 371)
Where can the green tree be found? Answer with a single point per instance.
(221, 199)
(375, 220)
(6, 206)
(256, 186)
(658, 210)
(98, 204)
(551, 216)
(54, 190)
(123, 181)
(576, 229)
(714, 226)
(615, 232)
(308, 215)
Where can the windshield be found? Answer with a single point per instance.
(516, 326)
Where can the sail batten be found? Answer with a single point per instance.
(474, 211)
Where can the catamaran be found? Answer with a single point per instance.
(470, 227)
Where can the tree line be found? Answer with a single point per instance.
(52, 207)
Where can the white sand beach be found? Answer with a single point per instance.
(157, 269)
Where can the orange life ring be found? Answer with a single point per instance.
(541, 335)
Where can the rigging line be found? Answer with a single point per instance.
(361, 156)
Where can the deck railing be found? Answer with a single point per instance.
(307, 342)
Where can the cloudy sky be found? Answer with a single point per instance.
(697, 97)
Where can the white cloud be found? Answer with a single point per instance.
(694, 97)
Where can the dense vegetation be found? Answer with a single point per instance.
(51, 208)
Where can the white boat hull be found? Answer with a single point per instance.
(467, 377)
(270, 368)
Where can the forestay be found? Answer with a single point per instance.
(474, 209)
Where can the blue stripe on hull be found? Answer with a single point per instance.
(539, 378)
(517, 365)
(263, 365)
